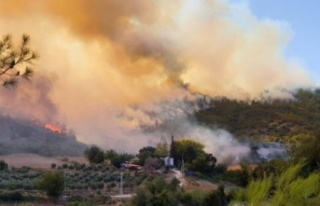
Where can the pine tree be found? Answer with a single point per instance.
(173, 151)
(14, 61)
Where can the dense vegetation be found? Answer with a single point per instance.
(294, 123)
(288, 188)
(192, 154)
(267, 119)
(162, 193)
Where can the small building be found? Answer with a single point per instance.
(169, 161)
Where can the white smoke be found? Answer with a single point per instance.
(176, 118)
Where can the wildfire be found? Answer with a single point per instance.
(53, 128)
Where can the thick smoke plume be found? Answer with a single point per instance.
(108, 56)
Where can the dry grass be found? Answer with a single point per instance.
(37, 161)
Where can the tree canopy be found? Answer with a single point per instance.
(145, 153)
(116, 159)
(94, 154)
(53, 184)
(193, 155)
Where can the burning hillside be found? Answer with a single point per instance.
(24, 136)
(53, 128)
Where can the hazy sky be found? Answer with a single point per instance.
(304, 20)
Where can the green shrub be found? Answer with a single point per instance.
(53, 184)
(3, 165)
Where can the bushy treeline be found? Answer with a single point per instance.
(96, 155)
(191, 153)
(186, 153)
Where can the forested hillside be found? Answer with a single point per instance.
(266, 120)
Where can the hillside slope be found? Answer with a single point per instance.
(267, 120)
(25, 136)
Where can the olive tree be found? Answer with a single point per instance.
(3, 165)
(53, 184)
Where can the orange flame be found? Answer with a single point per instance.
(53, 128)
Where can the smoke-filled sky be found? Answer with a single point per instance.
(302, 17)
(100, 60)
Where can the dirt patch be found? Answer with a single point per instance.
(196, 185)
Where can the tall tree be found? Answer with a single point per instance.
(173, 151)
(15, 61)
(94, 154)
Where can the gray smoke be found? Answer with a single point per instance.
(176, 118)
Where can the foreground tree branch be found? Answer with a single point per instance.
(15, 62)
